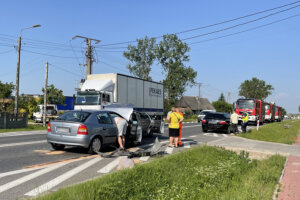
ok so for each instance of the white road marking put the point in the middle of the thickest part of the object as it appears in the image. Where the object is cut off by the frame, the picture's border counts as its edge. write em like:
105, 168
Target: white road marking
169, 150
54, 182
110, 166
193, 136
23, 143
144, 158
186, 145
26, 178
164, 142
11, 134
191, 126
224, 135
207, 134
16, 172
216, 135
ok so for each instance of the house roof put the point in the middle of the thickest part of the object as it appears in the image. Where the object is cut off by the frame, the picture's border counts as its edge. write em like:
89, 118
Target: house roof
195, 103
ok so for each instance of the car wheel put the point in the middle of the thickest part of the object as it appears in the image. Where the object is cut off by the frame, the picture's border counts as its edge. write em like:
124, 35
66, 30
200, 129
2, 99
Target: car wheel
149, 132
57, 146
95, 145
204, 130
228, 130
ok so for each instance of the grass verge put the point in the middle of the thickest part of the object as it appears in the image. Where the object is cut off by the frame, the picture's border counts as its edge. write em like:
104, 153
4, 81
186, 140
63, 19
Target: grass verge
30, 127
200, 173
281, 132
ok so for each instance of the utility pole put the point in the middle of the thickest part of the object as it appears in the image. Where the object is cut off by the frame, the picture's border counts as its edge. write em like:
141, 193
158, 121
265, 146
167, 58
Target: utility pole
199, 86
45, 95
18, 67
88, 54
228, 97
18, 75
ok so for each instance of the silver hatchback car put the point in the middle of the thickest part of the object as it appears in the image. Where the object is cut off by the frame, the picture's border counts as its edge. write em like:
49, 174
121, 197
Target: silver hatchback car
89, 129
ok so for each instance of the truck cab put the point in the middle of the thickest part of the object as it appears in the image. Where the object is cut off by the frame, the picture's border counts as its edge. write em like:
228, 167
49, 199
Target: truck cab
255, 108
92, 100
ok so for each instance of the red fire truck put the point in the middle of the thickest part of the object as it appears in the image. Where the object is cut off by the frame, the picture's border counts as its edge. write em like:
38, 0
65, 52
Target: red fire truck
255, 108
278, 113
270, 112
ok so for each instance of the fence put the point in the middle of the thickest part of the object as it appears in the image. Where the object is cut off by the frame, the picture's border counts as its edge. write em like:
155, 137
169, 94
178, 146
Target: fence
8, 120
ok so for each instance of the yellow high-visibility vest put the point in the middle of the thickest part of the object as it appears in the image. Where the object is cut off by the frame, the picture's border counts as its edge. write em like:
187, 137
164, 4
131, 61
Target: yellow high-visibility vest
245, 119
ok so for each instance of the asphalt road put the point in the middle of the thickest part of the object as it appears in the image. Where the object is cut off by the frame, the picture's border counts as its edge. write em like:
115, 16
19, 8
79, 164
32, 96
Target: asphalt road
29, 167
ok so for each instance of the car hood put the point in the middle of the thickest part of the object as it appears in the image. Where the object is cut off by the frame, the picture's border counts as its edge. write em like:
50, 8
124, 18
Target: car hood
124, 111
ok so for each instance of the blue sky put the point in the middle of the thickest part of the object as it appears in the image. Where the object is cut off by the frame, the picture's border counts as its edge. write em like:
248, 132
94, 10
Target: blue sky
270, 53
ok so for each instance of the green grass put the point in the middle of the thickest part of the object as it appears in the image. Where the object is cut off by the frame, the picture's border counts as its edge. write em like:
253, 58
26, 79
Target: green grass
30, 127
276, 132
200, 173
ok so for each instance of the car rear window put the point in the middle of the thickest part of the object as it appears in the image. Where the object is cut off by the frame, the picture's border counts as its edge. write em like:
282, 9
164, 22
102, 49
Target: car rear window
215, 116
74, 116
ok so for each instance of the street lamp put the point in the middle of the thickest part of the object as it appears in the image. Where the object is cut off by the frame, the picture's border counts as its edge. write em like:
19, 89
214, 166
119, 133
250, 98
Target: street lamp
18, 66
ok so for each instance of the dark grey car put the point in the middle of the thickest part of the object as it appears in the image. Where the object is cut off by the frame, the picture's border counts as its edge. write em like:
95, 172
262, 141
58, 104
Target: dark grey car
88, 129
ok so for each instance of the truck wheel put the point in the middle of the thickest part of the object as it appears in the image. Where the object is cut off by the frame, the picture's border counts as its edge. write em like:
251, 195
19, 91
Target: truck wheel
204, 130
149, 133
57, 146
95, 145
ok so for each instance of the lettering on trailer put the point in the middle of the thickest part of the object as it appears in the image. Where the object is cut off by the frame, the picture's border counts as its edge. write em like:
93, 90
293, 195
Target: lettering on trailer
155, 92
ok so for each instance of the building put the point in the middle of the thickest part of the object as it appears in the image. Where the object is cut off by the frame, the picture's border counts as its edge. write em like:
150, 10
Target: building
194, 104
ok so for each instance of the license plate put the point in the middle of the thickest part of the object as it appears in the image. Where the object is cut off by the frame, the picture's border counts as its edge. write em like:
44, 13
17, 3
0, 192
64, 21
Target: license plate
62, 130
212, 122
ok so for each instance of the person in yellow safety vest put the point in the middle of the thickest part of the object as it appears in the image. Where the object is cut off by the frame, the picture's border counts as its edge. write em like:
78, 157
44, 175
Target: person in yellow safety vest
174, 120
245, 118
180, 127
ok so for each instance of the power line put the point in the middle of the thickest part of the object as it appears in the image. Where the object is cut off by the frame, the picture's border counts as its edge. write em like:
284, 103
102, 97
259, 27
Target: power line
48, 54
61, 68
3, 52
247, 30
216, 24
241, 24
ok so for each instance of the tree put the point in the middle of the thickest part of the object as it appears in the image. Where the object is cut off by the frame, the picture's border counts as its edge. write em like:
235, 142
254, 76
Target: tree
141, 58
222, 106
28, 104
222, 98
255, 88
299, 109
6, 90
54, 96
171, 53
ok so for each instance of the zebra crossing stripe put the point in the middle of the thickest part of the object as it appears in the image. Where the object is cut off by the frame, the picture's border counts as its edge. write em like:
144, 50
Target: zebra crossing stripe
186, 145
169, 150
216, 135
144, 158
16, 172
224, 135
26, 178
193, 136
51, 184
110, 166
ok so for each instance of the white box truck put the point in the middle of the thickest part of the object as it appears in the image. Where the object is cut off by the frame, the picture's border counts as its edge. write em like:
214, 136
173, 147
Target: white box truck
100, 90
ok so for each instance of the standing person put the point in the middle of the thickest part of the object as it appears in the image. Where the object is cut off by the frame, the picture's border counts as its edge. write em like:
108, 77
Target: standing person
180, 126
245, 122
174, 120
122, 127
234, 120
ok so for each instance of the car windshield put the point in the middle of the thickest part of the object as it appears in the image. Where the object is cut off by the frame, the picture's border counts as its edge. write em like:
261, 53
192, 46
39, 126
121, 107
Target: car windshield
204, 112
245, 104
87, 99
216, 116
74, 116
267, 107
